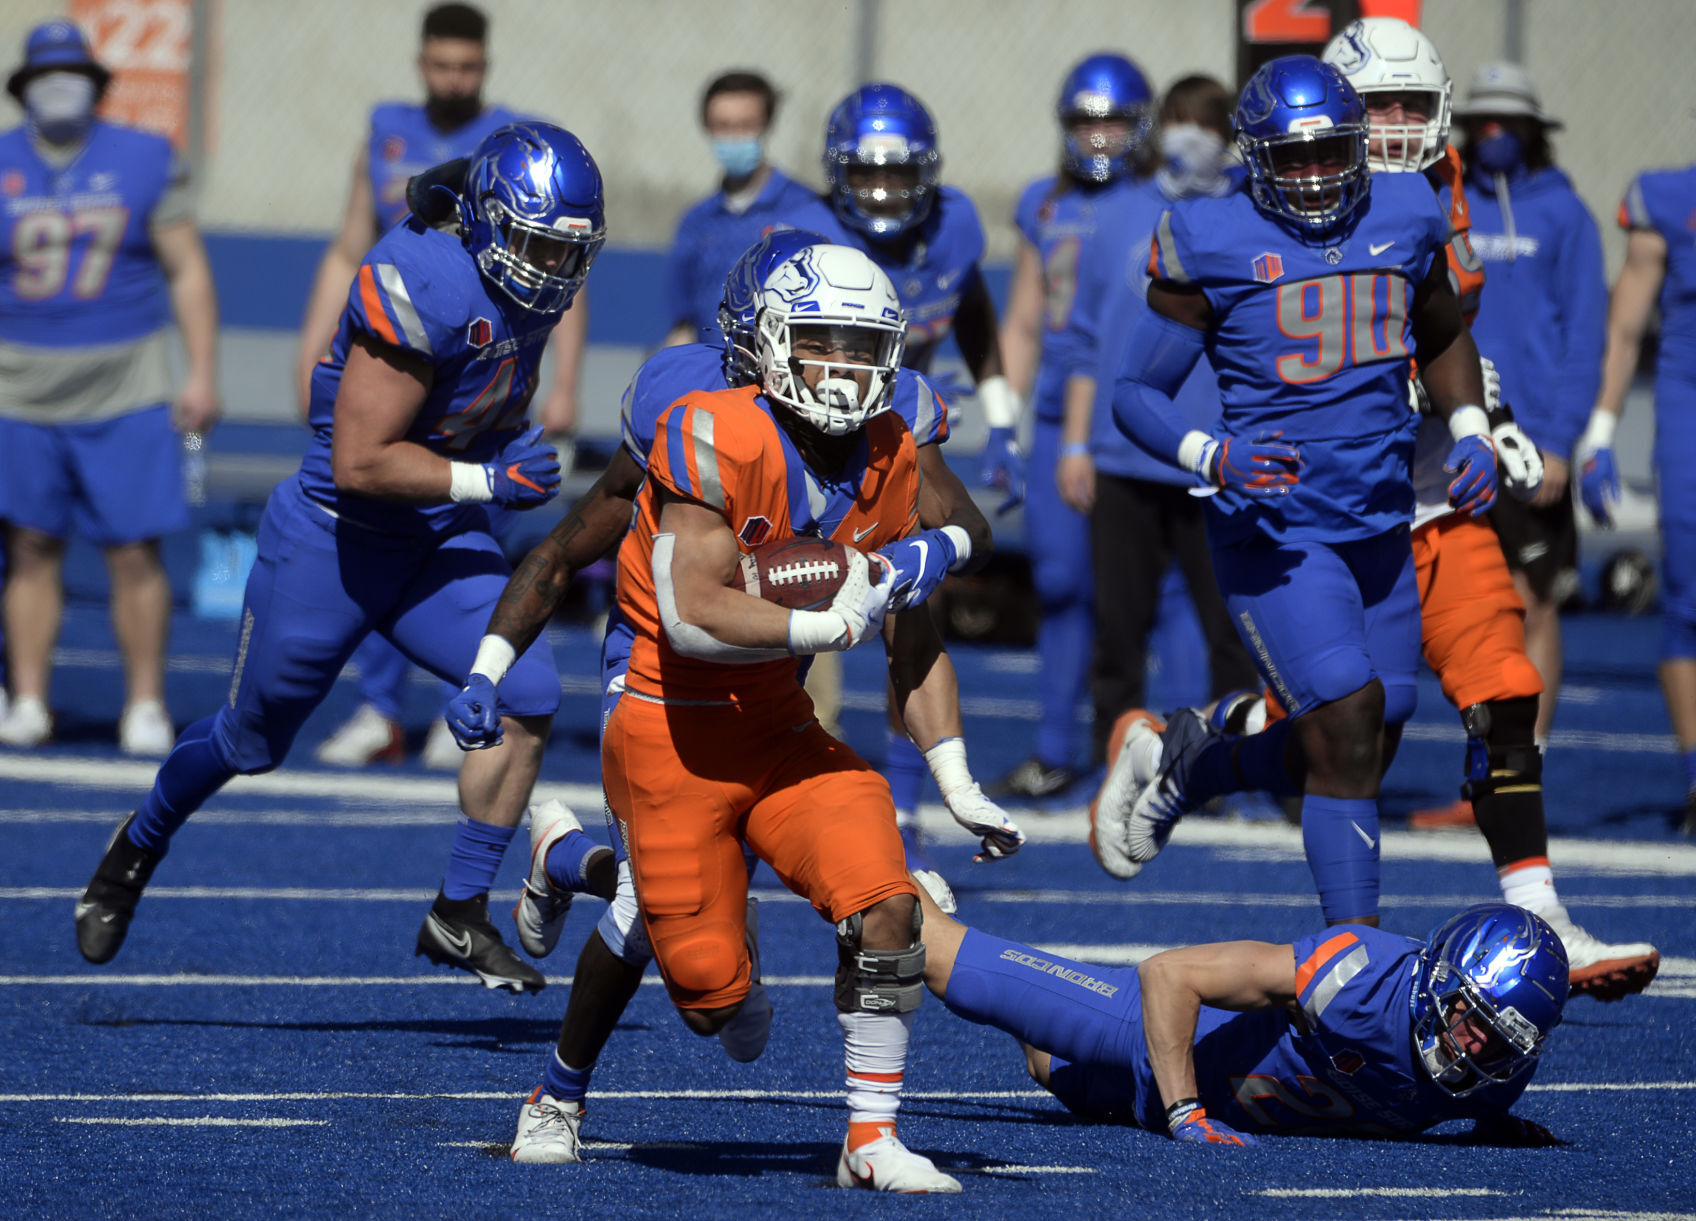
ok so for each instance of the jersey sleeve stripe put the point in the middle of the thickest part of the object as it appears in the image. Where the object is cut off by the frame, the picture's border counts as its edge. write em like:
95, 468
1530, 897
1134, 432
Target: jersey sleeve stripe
1166, 249
706, 458
417, 338
1633, 212
1331, 983
375, 315
676, 456
926, 414
1328, 950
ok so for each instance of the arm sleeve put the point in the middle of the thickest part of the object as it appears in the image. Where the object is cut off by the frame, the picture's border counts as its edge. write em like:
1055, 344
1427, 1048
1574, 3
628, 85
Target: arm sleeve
1159, 354
1583, 299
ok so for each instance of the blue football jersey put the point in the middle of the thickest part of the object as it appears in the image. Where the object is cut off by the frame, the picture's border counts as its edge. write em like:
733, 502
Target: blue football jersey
1664, 201
78, 266
404, 142
418, 291
930, 269
1060, 224
1312, 340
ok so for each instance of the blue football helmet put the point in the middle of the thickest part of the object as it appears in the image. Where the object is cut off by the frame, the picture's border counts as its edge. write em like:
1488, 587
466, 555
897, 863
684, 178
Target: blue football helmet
881, 127
1104, 87
741, 300
1302, 132
532, 215
1493, 978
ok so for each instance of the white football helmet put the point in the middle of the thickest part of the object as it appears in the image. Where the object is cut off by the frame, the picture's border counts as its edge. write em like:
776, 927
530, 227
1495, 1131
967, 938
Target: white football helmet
1387, 55
834, 288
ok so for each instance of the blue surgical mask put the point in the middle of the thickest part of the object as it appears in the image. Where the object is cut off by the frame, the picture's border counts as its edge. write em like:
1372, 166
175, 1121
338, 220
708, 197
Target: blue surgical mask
1501, 153
739, 157
60, 106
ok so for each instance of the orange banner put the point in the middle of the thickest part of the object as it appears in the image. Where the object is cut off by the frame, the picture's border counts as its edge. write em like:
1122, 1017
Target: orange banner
149, 47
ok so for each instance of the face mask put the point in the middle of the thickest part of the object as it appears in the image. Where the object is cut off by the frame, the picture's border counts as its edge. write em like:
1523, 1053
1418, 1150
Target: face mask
1502, 153
449, 114
60, 106
1195, 160
740, 157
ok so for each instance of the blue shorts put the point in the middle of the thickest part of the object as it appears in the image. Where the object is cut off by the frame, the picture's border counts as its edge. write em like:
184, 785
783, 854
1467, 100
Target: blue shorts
1322, 620
319, 585
108, 481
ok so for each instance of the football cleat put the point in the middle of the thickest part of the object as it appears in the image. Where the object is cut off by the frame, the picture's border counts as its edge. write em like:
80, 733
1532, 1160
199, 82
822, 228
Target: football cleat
366, 737
1598, 970
542, 907
145, 730
885, 1164
938, 889
27, 724
1032, 780
1133, 755
1162, 801
1456, 817
457, 933
744, 1036
107, 906
548, 1131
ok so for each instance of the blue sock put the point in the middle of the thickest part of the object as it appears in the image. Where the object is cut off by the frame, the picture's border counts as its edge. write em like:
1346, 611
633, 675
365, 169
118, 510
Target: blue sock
477, 851
566, 859
905, 769
194, 770
563, 1083
1227, 763
1340, 835
1690, 770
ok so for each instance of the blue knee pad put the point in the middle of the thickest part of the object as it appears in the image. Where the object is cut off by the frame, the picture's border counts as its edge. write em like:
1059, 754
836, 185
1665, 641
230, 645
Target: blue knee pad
1340, 836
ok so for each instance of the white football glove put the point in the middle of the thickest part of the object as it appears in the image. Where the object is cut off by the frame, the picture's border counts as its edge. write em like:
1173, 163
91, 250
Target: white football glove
1519, 466
1492, 384
854, 614
967, 803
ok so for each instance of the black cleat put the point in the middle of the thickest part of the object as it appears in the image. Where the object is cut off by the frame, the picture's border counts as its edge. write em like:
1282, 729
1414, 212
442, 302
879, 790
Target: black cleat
106, 907
1033, 779
457, 933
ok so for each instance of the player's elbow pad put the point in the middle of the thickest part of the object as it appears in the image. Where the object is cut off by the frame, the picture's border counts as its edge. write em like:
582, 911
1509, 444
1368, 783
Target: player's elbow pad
687, 638
1159, 355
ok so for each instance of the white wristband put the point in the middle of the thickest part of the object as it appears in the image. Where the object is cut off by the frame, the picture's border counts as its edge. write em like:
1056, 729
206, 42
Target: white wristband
1000, 403
947, 761
1600, 433
1193, 452
470, 482
495, 656
817, 632
1469, 421
962, 546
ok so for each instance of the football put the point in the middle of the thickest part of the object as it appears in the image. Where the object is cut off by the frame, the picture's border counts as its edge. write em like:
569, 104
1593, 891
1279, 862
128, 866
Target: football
795, 573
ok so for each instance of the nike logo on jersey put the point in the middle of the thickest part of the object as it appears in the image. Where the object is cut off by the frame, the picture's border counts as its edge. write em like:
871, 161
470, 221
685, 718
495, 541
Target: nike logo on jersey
860, 534
1370, 842
1378, 248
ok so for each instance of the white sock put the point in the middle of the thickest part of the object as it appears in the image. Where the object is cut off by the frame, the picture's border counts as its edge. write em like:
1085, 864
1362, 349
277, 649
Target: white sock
875, 1047
1530, 884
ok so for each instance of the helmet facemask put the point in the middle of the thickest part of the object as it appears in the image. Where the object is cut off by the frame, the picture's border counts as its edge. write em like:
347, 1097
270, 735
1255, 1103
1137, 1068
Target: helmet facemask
1409, 144
1312, 178
834, 375
1465, 1043
538, 266
1099, 140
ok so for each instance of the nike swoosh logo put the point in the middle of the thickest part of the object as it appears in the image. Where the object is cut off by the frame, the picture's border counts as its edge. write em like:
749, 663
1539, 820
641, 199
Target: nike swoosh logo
1370, 842
83, 909
868, 1179
1378, 249
860, 534
459, 943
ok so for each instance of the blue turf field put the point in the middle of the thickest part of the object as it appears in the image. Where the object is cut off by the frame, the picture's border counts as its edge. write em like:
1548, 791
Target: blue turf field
266, 1043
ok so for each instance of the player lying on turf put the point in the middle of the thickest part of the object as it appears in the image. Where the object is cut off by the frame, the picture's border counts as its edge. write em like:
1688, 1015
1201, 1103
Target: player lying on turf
1345, 1031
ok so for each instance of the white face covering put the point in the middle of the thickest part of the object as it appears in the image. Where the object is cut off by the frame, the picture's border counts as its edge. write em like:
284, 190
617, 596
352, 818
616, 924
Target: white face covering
1195, 161
60, 106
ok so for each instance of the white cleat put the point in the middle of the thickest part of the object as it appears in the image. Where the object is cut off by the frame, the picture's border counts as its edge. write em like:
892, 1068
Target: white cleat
548, 1131
542, 906
936, 886
441, 752
1599, 970
1134, 750
744, 1036
885, 1164
27, 724
366, 737
145, 730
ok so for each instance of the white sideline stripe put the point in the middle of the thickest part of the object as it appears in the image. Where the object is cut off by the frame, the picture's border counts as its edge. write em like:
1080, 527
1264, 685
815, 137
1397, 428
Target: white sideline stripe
201, 1121
1345, 1193
619, 1146
1025, 1170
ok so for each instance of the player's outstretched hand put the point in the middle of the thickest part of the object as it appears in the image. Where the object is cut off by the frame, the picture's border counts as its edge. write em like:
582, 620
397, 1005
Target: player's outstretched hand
1004, 468
471, 715
982, 817
1598, 483
524, 474
920, 562
1512, 1132
1472, 462
1264, 466
1192, 1125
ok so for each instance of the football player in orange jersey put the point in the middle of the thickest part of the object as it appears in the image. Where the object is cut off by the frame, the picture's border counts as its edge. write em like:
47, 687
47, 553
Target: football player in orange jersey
715, 743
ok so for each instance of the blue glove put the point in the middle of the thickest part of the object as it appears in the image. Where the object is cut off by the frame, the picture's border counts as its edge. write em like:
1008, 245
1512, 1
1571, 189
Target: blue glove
1264, 466
1188, 1122
1598, 484
920, 562
1473, 464
1004, 468
471, 715
524, 474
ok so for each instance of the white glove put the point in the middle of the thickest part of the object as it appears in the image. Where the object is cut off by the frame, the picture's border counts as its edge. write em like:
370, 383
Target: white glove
1518, 464
967, 803
854, 615
1492, 384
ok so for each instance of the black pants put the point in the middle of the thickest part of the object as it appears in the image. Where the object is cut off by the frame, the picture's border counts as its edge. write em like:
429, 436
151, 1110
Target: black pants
1137, 529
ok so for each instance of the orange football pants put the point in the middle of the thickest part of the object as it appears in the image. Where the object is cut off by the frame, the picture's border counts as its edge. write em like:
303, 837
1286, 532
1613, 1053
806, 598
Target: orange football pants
689, 783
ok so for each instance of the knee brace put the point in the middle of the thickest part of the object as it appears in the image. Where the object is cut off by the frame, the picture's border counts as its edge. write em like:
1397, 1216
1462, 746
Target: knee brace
878, 981
1501, 754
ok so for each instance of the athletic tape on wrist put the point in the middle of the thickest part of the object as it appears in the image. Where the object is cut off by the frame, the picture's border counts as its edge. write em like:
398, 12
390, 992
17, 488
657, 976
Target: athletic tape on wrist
1000, 403
469, 482
1599, 434
962, 546
947, 763
1469, 421
1183, 1110
495, 656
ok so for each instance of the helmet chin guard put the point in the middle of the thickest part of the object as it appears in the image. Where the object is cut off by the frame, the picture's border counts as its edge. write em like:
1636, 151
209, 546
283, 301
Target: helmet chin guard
1382, 55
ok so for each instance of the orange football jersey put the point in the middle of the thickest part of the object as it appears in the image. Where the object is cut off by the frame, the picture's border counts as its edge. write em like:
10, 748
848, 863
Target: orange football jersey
725, 450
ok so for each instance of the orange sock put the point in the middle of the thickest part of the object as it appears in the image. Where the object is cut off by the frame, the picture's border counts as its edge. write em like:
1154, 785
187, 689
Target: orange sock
865, 1133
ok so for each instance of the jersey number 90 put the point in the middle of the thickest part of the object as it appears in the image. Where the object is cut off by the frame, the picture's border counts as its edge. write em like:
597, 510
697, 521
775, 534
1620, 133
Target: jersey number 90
1356, 319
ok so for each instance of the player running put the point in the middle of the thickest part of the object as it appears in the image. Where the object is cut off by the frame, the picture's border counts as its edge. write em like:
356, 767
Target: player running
418, 422
1343, 1032
1309, 289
